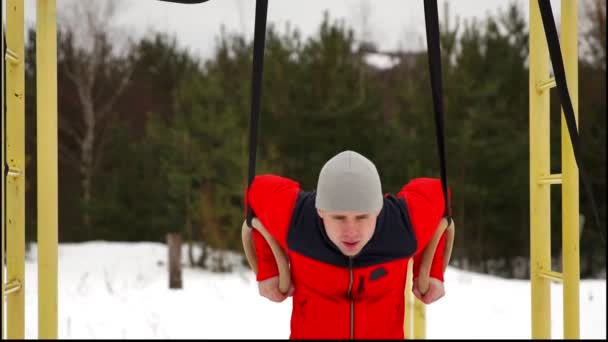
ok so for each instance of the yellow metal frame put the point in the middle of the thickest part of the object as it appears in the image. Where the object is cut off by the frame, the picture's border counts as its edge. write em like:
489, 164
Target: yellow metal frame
46, 97
3, 269
13, 223
541, 179
15, 178
13, 139
414, 325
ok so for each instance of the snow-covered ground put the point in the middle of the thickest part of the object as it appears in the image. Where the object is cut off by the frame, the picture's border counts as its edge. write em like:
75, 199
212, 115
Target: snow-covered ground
121, 291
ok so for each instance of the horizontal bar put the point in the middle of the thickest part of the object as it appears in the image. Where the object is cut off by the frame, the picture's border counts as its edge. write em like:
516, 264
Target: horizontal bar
11, 287
552, 275
542, 86
11, 56
13, 172
551, 179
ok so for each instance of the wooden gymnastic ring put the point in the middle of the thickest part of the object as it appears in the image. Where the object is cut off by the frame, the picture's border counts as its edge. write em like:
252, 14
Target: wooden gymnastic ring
429, 253
279, 254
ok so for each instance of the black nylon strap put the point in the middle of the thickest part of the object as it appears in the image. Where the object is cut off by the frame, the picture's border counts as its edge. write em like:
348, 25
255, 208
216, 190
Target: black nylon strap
431, 19
566, 102
261, 11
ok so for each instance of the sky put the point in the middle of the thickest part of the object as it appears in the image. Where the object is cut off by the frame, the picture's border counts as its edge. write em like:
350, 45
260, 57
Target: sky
392, 24
120, 291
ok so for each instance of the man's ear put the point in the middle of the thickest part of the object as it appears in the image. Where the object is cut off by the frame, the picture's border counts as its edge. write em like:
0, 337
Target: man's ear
320, 212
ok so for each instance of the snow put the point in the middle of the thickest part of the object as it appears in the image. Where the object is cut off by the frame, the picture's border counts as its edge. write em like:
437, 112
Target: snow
121, 291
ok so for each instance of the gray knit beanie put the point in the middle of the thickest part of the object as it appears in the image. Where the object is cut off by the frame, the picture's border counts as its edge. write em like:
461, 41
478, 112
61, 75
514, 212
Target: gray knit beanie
349, 182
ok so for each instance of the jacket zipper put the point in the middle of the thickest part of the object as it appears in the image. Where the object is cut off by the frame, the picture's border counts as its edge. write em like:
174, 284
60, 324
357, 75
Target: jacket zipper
352, 303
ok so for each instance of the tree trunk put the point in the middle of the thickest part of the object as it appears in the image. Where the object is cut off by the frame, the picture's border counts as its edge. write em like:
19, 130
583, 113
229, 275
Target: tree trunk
460, 240
188, 227
210, 221
202, 260
88, 66
190, 237
86, 160
174, 242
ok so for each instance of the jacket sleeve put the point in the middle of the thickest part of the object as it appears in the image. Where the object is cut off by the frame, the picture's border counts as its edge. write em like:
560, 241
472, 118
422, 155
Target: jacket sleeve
424, 198
272, 199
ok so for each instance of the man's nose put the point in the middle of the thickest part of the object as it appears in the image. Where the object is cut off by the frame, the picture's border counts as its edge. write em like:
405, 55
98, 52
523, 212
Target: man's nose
350, 227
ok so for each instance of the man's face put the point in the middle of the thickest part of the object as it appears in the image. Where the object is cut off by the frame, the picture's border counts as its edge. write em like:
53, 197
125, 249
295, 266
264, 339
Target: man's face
349, 230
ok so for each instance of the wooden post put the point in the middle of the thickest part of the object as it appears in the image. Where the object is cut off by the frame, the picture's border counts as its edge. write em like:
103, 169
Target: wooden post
174, 243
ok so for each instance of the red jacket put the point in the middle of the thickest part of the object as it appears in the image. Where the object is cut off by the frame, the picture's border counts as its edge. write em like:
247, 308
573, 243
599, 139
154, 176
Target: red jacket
336, 295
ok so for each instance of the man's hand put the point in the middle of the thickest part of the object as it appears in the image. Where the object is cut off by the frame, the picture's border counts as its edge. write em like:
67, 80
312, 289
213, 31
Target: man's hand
269, 288
435, 291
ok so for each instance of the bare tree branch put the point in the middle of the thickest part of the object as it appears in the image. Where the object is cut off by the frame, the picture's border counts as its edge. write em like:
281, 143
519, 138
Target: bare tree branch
68, 155
68, 128
594, 34
89, 64
72, 76
124, 81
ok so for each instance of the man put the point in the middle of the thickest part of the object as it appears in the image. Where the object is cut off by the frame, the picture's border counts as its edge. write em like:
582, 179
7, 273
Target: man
348, 247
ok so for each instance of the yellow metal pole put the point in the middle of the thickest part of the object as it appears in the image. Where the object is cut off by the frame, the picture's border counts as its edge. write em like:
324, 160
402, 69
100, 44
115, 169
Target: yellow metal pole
15, 159
408, 323
419, 320
570, 177
540, 200
46, 69
3, 314
414, 326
